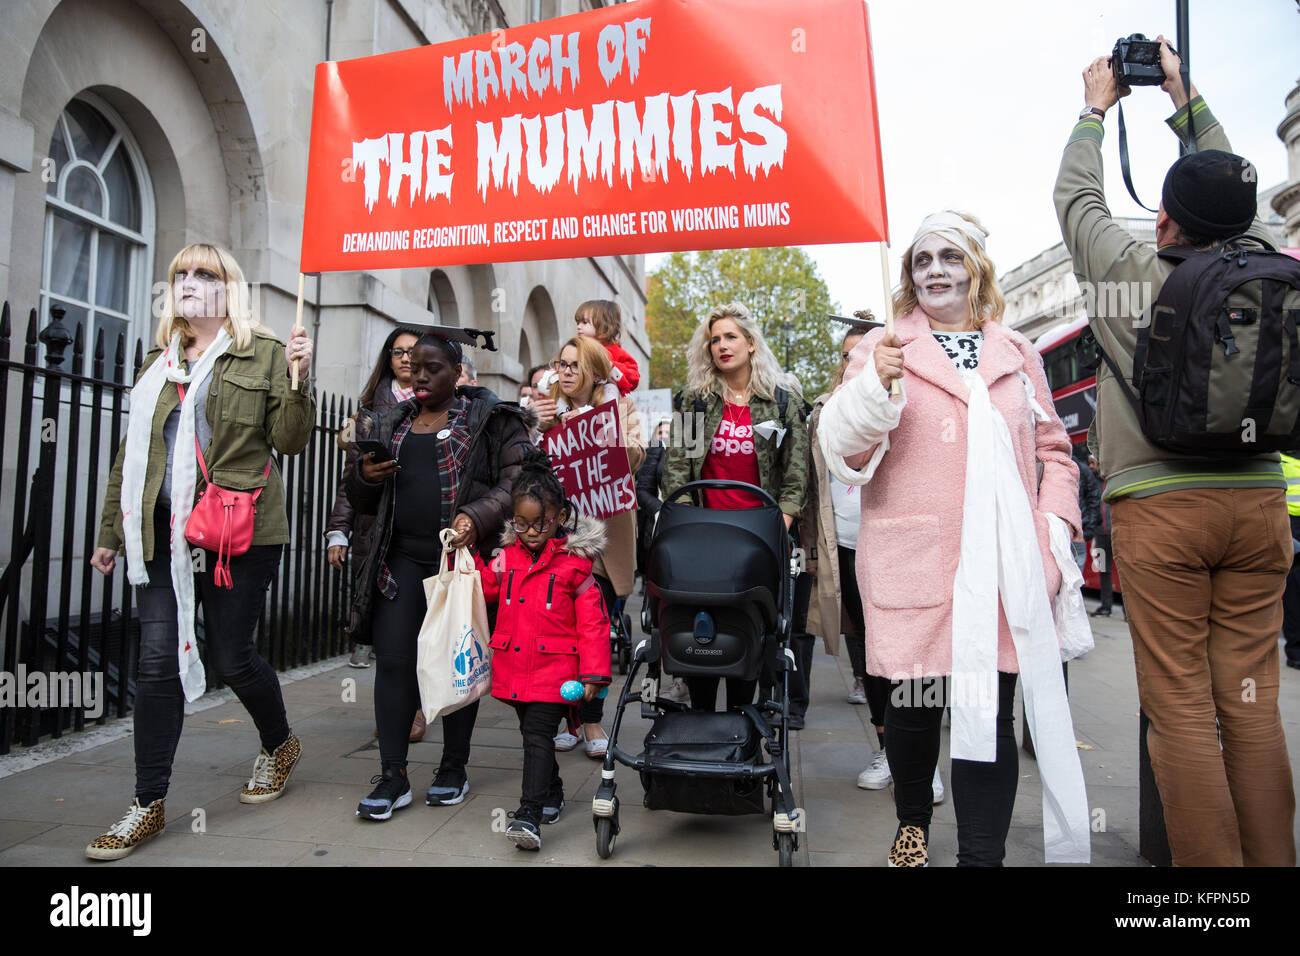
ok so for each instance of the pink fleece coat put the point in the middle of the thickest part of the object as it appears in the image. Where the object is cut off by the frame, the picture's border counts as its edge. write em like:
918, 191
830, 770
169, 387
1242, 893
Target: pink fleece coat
909, 541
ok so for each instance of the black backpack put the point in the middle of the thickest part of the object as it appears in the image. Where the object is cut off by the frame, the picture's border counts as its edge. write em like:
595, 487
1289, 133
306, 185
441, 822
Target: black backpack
1216, 370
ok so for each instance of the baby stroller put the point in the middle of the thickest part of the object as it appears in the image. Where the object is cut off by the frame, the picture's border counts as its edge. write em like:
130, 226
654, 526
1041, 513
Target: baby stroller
718, 604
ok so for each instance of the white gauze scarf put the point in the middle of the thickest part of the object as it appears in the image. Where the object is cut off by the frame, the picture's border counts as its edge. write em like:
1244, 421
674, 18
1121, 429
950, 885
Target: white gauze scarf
163, 373
1002, 524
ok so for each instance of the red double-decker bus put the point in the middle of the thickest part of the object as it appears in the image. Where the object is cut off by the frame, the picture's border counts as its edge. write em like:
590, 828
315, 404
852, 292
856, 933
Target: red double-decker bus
1070, 360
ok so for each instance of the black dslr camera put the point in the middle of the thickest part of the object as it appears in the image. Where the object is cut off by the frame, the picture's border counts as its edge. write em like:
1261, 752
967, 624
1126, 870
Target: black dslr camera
1136, 62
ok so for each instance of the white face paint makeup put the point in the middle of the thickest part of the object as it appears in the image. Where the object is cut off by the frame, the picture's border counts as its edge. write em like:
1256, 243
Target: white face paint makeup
199, 294
942, 280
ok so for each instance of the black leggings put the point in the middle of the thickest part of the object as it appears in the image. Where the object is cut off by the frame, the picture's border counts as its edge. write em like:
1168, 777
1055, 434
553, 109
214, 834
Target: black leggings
983, 793
397, 691
854, 627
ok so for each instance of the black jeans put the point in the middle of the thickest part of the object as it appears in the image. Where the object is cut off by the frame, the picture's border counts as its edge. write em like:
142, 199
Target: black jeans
230, 626
542, 783
801, 644
983, 793
852, 623
397, 691
1291, 604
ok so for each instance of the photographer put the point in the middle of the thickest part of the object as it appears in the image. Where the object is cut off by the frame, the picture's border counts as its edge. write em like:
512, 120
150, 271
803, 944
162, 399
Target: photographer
1203, 545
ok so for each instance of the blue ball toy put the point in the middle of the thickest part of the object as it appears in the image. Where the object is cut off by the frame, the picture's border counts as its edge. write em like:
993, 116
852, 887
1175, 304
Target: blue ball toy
571, 690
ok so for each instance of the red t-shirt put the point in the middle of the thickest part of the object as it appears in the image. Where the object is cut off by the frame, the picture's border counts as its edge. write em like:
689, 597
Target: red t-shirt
731, 456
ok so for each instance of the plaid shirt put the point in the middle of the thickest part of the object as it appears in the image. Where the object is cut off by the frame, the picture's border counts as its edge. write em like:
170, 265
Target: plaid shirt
452, 454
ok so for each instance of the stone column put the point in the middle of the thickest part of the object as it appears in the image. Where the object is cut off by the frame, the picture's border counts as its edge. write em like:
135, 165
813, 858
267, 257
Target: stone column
1287, 201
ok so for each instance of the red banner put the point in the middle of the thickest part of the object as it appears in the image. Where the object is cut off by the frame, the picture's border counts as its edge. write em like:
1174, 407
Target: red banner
643, 127
591, 461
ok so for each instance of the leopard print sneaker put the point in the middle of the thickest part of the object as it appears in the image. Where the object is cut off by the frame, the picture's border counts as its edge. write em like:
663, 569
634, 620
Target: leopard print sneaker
271, 772
909, 848
139, 824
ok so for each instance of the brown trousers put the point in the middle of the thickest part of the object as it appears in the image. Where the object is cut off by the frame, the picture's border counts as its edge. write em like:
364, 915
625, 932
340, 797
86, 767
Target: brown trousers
1202, 572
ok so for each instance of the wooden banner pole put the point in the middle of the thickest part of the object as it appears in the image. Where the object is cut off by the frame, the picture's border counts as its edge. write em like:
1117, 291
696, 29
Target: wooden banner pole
297, 323
889, 305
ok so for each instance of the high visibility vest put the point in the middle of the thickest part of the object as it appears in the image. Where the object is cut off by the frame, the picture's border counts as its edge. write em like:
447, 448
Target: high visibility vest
1291, 469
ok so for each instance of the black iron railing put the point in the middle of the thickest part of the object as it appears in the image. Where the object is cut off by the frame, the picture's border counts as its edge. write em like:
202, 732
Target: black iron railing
58, 617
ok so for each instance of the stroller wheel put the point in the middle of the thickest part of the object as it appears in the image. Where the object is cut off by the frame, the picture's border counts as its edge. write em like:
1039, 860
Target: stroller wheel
605, 837
785, 848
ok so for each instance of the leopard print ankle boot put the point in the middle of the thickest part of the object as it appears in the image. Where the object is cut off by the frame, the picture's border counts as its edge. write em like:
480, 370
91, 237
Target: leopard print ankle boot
271, 772
139, 824
910, 848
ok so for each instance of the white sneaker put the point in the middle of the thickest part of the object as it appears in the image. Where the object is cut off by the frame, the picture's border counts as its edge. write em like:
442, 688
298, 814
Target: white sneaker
859, 693
936, 785
566, 741
877, 775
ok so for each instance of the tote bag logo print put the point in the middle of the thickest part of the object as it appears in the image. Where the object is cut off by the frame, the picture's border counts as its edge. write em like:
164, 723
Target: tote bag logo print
453, 663
470, 663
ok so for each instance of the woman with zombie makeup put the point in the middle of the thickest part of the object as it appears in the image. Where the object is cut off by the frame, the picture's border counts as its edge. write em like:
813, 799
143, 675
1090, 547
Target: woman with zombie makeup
217, 385
751, 415
970, 479
455, 454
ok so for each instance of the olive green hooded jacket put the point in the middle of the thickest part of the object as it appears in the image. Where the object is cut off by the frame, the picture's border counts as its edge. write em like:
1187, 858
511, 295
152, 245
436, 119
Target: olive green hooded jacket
252, 410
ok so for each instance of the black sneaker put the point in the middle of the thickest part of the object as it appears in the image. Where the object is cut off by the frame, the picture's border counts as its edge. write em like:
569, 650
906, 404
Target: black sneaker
392, 793
553, 805
449, 787
523, 831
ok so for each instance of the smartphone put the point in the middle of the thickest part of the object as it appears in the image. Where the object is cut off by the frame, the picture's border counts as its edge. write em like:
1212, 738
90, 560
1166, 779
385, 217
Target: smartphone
376, 448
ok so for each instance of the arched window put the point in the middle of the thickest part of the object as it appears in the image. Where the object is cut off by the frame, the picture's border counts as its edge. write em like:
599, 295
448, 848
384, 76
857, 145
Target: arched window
99, 226
442, 300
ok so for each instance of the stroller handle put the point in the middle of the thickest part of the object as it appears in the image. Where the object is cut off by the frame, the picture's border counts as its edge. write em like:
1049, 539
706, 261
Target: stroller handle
722, 484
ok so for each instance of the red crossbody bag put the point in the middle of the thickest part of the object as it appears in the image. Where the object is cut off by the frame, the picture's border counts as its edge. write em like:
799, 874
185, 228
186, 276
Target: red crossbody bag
222, 520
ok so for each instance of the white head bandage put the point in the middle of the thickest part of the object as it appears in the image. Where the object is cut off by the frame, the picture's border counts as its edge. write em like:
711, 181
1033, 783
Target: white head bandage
954, 228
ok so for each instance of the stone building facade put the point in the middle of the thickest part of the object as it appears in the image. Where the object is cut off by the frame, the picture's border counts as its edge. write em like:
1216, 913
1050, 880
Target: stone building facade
129, 128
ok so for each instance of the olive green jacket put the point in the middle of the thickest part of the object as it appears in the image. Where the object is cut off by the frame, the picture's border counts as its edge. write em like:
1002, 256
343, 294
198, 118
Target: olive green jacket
782, 470
252, 409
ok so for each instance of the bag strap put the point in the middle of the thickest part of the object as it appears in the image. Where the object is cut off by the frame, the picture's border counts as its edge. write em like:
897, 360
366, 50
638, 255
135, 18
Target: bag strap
203, 465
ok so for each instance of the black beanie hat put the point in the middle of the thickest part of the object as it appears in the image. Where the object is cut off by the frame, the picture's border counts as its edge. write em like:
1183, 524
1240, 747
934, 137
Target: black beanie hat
1211, 193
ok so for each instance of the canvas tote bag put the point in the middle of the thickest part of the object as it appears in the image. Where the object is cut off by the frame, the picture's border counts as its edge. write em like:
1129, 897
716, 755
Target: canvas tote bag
453, 661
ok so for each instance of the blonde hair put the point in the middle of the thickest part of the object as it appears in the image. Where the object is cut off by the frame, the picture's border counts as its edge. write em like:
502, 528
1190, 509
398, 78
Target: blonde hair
985, 298
765, 375
593, 364
605, 317
239, 324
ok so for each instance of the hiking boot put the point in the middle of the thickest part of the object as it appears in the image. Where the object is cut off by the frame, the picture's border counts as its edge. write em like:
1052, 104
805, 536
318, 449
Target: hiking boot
392, 793
271, 772
448, 788
911, 847
139, 824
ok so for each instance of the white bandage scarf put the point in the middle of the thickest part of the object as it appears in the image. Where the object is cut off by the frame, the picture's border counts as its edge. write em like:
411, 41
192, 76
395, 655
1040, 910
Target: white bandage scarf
166, 372
1002, 524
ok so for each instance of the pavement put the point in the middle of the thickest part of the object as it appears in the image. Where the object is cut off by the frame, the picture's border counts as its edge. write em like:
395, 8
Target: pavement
56, 797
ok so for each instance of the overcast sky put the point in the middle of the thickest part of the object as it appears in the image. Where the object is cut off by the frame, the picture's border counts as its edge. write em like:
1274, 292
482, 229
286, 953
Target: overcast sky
977, 100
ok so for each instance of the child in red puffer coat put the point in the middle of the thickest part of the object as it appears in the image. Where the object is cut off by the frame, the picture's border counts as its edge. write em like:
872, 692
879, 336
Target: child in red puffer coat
600, 319
551, 627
